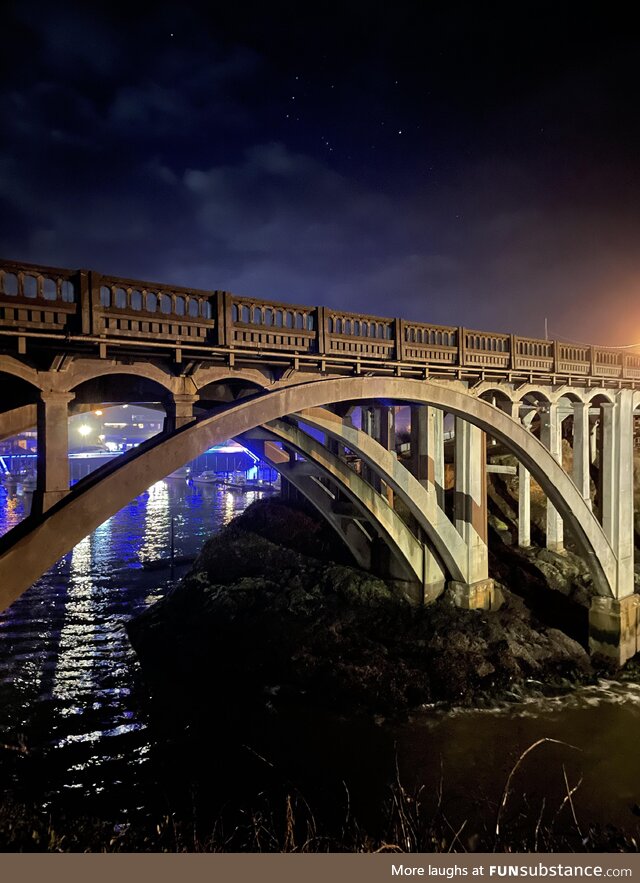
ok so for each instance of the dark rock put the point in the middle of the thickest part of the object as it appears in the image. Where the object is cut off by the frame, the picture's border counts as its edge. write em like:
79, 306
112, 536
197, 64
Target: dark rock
254, 618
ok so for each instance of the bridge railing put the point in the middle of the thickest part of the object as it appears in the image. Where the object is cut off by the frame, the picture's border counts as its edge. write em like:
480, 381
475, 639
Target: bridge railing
607, 363
429, 343
41, 298
130, 308
49, 299
260, 324
531, 354
572, 359
481, 349
631, 366
355, 334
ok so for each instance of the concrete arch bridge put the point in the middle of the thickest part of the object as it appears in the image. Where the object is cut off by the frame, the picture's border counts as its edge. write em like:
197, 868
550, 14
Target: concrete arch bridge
315, 392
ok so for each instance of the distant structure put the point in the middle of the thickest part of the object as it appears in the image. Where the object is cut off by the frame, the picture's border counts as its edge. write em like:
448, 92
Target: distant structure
308, 387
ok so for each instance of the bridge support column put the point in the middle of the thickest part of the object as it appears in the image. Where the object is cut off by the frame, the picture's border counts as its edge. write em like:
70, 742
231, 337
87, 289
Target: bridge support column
384, 432
470, 506
427, 448
524, 494
53, 450
581, 450
369, 426
551, 438
616, 470
614, 623
524, 507
427, 466
179, 411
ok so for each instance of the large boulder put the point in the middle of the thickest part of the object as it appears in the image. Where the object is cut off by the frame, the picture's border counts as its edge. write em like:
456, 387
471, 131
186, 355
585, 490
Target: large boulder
261, 620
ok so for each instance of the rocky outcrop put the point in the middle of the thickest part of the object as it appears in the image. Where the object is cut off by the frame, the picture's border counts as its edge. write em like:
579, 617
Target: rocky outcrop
271, 611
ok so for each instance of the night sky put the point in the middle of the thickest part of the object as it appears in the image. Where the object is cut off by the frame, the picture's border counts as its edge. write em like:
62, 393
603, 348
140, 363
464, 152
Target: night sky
468, 164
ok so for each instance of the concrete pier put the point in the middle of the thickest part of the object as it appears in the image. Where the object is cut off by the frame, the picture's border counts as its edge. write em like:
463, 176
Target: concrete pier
551, 438
53, 449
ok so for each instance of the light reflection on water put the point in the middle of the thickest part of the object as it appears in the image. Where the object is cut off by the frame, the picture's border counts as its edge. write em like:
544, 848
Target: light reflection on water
67, 672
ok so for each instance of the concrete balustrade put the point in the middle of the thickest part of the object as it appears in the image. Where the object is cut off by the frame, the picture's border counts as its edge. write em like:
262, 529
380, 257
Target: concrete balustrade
98, 309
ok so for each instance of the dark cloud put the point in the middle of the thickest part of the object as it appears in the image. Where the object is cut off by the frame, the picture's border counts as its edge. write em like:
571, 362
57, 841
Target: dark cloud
449, 165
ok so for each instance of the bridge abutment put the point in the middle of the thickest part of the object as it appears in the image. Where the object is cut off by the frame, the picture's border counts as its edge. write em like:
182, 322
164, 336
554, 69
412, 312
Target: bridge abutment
614, 628
477, 596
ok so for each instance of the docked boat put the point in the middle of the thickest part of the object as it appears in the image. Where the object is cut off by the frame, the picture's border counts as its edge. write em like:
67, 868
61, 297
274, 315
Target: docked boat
206, 478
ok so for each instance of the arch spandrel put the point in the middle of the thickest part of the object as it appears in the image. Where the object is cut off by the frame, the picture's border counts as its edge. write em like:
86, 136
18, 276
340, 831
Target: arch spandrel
9, 365
598, 393
82, 371
34, 546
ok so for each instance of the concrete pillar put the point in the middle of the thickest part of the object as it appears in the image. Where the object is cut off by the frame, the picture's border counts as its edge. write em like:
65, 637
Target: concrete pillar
606, 467
551, 438
524, 507
368, 425
614, 623
53, 450
524, 493
179, 411
436, 438
419, 462
366, 420
470, 508
616, 471
384, 431
427, 465
581, 450
427, 448
384, 426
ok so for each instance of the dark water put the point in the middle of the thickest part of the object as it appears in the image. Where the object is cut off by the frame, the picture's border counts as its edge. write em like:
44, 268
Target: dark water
71, 696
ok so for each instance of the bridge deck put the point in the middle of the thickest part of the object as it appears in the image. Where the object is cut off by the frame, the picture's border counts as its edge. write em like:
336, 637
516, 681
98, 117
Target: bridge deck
85, 311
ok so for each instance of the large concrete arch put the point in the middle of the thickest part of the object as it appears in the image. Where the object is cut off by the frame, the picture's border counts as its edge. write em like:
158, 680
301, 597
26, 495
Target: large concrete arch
37, 543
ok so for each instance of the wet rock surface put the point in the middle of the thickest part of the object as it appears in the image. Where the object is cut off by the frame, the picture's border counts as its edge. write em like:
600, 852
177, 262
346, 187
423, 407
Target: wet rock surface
271, 613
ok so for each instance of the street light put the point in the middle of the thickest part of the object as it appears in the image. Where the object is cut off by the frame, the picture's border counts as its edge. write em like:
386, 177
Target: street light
84, 429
